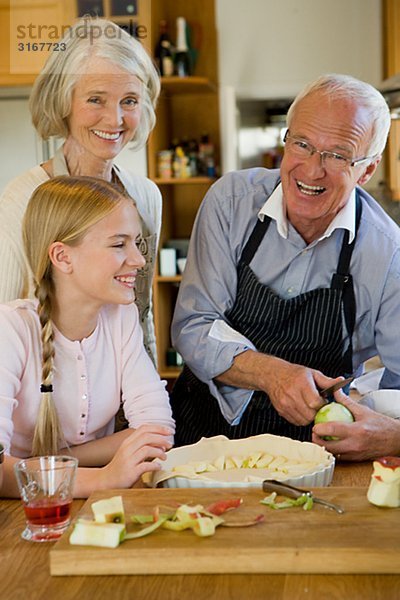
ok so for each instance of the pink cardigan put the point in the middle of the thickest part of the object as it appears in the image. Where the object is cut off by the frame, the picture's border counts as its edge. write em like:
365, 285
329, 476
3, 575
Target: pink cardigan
91, 377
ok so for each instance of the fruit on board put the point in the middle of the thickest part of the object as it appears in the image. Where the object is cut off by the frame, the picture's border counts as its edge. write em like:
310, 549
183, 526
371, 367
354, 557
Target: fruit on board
90, 533
384, 488
110, 510
333, 411
202, 521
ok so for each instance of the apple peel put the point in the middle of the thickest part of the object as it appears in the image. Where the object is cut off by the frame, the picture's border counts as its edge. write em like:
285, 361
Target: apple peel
202, 521
305, 501
258, 519
220, 507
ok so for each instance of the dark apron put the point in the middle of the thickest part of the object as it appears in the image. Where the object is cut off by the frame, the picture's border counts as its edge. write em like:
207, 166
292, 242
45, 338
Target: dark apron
306, 330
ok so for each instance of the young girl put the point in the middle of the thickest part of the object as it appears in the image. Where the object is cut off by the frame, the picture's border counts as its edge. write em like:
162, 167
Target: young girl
70, 357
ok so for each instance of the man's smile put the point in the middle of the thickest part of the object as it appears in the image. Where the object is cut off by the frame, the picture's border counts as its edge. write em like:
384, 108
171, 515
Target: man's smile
309, 190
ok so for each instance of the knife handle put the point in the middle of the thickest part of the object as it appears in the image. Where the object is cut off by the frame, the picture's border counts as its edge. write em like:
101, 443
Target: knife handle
284, 489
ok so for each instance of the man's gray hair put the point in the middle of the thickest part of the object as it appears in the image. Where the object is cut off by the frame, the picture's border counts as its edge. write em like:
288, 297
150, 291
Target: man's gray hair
347, 87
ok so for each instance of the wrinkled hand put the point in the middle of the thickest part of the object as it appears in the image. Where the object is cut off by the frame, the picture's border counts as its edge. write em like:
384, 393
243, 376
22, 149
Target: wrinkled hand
293, 391
372, 435
133, 457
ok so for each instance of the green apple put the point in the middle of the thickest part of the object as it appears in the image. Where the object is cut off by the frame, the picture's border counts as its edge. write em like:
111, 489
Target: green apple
333, 412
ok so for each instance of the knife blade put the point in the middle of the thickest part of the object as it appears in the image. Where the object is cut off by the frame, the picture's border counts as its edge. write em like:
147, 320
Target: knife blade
284, 489
334, 388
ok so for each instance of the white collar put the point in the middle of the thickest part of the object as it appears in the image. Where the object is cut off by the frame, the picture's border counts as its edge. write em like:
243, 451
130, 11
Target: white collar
274, 208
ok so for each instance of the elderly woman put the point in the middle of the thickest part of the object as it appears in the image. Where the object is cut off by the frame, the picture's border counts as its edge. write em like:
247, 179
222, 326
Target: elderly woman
98, 94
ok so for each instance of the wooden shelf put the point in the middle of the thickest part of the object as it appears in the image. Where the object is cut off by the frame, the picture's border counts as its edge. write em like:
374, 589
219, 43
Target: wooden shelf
187, 85
170, 279
184, 181
169, 372
188, 109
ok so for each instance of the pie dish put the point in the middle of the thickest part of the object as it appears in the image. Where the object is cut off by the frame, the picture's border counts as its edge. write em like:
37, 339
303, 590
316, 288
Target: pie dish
305, 464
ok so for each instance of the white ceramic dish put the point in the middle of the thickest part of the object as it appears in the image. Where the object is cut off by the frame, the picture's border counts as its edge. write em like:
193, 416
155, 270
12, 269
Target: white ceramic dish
317, 471
386, 402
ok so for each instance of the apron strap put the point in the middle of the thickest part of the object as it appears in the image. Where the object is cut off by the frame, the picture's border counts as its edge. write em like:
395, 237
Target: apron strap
347, 249
256, 235
343, 281
254, 240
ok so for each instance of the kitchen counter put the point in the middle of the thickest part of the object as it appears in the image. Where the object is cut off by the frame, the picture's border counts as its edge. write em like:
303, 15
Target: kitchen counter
25, 571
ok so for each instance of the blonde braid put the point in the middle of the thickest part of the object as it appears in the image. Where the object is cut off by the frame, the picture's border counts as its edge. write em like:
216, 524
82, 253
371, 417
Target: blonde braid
48, 432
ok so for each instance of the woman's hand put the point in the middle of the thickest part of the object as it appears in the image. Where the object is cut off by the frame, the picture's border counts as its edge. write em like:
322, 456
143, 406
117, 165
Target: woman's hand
133, 457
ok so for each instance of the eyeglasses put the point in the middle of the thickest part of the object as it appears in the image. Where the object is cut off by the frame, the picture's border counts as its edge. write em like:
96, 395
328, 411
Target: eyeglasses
331, 160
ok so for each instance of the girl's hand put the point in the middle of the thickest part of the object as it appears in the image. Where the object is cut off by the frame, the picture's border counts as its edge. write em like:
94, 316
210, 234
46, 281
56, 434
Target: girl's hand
133, 457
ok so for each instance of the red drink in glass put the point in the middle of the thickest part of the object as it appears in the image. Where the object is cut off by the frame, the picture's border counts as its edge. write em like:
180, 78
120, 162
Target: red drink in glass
48, 511
46, 488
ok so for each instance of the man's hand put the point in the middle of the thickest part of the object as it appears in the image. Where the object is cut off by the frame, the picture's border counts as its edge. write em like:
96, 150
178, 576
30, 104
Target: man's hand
292, 389
372, 435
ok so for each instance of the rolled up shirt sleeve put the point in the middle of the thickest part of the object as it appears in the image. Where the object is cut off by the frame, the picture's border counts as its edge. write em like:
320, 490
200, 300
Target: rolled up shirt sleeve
200, 331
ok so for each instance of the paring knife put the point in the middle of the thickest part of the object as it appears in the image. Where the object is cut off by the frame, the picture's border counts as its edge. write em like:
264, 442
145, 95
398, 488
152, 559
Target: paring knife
284, 489
334, 388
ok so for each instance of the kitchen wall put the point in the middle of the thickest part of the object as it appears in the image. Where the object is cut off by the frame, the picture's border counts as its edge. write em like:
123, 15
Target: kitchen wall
19, 145
271, 48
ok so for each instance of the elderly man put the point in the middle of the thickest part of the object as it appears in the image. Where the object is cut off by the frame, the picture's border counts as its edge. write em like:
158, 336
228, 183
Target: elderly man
293, 280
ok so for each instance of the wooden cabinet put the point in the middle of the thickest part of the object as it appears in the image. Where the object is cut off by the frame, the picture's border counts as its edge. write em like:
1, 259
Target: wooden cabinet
29, 30
188, 107
391, 53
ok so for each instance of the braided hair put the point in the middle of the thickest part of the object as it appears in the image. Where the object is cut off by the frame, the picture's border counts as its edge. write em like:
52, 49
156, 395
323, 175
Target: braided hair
61, 209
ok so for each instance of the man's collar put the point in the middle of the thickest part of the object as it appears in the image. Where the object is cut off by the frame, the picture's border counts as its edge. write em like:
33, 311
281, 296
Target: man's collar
274, 208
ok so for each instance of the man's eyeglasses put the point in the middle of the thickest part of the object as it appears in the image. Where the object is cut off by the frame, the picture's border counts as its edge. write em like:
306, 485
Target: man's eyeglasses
331, 160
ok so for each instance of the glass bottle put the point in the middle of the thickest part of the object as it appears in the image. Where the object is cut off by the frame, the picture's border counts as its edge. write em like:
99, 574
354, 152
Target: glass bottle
163, 52
182, 57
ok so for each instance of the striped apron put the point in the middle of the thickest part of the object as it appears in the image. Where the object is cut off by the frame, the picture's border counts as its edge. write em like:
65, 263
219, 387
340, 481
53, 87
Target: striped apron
306, 330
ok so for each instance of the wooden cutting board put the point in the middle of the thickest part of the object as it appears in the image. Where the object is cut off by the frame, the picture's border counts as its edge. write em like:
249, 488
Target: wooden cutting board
366, 539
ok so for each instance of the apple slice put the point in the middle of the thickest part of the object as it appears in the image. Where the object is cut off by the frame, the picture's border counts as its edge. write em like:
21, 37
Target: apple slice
110, 510
219, 463
264, 461
90, 533
237, 461
229, 464
384, 489
250, 461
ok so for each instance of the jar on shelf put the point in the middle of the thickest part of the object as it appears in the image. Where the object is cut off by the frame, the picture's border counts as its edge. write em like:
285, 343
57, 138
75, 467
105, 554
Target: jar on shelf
164, 164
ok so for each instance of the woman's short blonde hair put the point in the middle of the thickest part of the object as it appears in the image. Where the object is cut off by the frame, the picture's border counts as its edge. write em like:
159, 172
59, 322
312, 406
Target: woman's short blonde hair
51, 97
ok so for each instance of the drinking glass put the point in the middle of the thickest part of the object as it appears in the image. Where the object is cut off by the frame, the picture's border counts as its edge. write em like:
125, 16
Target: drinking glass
46, 487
